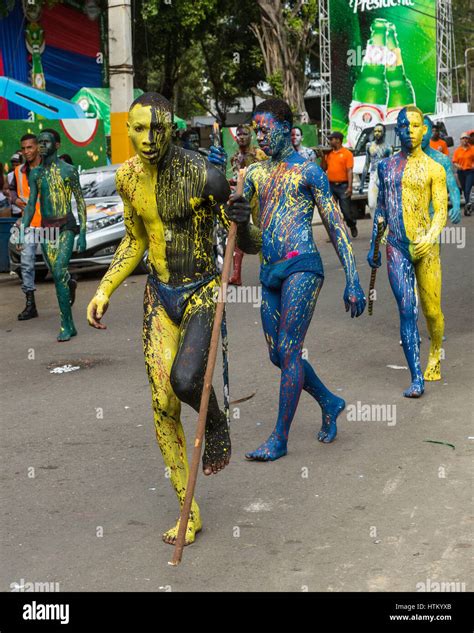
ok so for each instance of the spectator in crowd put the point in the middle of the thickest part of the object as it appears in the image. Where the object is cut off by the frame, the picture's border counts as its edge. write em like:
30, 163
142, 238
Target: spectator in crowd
463, 160
296, 141
5, 207
66, 158
338, 165
190, 140
437, 142
15, 160
20, 192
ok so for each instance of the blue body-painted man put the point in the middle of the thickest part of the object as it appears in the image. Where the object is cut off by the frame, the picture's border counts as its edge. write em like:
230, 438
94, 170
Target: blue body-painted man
408, 182
444, 161
287, 187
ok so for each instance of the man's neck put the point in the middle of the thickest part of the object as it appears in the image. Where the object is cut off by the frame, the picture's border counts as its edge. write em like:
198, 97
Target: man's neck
35, 162
50, 160
413, 152
285, 153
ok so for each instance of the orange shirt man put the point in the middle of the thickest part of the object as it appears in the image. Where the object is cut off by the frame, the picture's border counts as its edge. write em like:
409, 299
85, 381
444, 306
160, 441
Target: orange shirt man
437, 142
463, 157
338, 165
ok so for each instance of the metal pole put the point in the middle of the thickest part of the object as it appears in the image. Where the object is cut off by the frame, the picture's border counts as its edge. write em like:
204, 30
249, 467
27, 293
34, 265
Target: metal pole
121, 76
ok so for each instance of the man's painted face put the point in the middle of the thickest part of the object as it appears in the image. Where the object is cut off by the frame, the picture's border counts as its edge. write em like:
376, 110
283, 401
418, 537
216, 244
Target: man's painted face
47, 144
429, 131
243, 137
296, 137
410, 129
379, 132
150, 130
271, 134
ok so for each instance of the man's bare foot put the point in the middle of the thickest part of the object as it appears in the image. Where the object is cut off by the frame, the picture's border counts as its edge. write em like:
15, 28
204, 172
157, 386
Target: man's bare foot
194, 526
433, 369
217, 447
416, 389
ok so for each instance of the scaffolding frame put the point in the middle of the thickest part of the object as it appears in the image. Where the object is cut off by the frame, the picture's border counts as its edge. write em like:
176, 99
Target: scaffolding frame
325, 70
445, 49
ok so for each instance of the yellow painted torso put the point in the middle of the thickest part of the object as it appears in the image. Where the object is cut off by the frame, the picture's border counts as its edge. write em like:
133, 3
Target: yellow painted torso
418, 175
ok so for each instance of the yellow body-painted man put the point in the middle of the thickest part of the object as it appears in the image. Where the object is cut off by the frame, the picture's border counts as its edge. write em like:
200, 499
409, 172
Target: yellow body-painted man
408, 182
171, 196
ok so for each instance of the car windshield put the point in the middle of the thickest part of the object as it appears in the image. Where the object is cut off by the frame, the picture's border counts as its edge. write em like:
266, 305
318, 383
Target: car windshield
368, 135
98, 184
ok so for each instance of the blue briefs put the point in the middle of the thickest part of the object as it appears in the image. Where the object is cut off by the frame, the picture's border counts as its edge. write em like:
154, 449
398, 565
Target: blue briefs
175, 298
273, 275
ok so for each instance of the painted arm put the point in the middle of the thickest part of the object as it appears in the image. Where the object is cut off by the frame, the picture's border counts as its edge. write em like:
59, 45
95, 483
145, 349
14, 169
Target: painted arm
354, 298
81, 209
249, 236
454, 194
439, 197
29, 210
217, 191
126, 258
380, 215
363, 176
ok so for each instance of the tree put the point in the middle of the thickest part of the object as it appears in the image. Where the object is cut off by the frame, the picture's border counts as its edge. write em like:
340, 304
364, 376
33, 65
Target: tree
164, 32
287, 34
233, 62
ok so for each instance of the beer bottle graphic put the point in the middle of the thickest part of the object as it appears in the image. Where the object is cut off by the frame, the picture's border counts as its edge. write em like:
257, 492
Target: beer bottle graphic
370, 93
400, 89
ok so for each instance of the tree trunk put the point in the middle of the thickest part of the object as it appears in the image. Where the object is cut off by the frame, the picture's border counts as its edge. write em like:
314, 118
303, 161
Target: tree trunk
284, 60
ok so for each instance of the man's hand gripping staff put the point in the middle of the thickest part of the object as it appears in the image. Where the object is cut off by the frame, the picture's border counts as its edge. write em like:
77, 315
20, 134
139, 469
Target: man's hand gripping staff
375, 257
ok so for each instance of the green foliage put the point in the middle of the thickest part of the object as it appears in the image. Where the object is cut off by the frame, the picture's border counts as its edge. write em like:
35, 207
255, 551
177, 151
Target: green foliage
195, 50
276, 83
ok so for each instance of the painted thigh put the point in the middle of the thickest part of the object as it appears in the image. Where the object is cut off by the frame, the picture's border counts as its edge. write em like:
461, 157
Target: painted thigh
298, 299
401, 275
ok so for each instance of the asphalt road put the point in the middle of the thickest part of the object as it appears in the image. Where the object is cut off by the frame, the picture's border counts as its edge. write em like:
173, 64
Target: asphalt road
85, 494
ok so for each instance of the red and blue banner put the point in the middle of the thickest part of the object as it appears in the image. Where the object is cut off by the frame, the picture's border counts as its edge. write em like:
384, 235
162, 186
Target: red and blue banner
70, 59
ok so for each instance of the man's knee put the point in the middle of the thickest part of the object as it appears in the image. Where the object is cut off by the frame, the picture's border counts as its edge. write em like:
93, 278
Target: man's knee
186, 383
60, 274
287, 356
433, 313
408, 310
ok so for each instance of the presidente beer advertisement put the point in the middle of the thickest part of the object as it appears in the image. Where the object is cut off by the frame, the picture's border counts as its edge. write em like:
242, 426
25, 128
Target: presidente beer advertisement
383, 58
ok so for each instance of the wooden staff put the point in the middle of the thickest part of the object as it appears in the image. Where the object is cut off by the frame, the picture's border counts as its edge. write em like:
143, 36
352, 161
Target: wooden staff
206, 392
373, 274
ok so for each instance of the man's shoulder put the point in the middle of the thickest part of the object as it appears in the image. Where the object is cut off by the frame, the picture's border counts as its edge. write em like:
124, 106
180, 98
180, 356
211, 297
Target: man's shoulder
131, 166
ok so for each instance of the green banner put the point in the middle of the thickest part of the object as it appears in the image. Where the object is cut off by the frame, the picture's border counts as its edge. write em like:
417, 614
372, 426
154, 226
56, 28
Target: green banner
83, 140
383, 56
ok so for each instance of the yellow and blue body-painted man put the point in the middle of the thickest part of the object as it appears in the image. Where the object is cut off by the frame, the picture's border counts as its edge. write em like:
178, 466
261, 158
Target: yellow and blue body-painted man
408, 182
171, 197
287, 187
